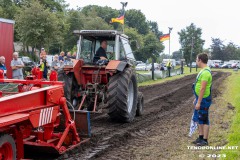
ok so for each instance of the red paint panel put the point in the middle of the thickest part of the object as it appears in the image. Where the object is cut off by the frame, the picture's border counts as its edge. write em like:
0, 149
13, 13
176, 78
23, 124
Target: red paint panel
112, 65
13, 119
6, 44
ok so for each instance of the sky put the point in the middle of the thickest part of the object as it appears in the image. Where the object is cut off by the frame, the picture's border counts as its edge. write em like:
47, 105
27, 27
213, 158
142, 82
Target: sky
216, 18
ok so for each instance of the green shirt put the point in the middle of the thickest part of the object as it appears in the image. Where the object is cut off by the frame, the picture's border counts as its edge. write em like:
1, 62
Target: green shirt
204, 75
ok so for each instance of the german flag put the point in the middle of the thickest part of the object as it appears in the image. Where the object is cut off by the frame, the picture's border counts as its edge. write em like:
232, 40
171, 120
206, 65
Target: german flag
165, 37
119, 19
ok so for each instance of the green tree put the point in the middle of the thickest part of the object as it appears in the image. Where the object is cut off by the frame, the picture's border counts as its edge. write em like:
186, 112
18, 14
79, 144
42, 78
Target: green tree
177, 55
189, 36
37, 26
217, 49
93, 22
230, 51
152, 46
136, 42
153, 26
8, 9
136, 19
106, 13
75, 21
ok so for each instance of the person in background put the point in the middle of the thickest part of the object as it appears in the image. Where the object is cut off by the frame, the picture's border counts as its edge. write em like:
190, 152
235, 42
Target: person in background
69, 55
74, 55
43, 53
3, 66
55, 64
61, 57
17, 66
44, 66
169, 66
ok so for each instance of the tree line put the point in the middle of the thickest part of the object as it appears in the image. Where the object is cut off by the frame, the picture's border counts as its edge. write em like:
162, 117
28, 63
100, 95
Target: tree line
50, 24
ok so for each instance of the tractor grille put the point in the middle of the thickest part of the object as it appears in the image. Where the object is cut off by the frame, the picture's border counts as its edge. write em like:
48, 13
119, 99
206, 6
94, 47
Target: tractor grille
96, 78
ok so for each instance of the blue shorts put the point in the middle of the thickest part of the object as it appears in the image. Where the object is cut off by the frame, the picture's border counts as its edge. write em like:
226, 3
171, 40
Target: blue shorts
202, 116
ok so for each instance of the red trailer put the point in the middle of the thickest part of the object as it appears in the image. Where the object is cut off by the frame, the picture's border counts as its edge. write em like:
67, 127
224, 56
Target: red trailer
6, 42
31, 113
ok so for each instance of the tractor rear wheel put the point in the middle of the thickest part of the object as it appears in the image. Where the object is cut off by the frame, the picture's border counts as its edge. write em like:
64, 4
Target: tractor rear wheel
140, 104
122, 96
7, 147
70, 88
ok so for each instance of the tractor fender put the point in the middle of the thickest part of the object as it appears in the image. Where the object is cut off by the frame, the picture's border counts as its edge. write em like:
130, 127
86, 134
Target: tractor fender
116, 65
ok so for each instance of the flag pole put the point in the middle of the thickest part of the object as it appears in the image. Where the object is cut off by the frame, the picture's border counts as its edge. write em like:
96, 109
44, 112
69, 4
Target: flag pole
170, 29
124, 4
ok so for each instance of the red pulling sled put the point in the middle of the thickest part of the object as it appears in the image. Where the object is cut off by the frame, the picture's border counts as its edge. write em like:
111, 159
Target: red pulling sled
35, 113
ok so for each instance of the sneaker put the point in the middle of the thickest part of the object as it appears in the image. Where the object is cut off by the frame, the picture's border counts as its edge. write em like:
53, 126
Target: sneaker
202, 143
196, 141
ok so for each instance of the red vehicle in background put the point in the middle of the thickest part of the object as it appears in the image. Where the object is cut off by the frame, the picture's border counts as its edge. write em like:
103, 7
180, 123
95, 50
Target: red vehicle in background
6, 42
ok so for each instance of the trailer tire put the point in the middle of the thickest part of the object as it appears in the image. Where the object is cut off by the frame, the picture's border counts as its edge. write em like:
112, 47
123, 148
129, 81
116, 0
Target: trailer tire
7, 147
140, 104
122, 96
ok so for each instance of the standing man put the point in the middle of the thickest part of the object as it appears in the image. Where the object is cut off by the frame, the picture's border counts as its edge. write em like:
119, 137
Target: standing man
3, 66
17, 66
169, 66
203, 100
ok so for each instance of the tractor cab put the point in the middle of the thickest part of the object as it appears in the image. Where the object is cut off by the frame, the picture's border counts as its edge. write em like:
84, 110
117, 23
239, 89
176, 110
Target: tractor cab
118, 47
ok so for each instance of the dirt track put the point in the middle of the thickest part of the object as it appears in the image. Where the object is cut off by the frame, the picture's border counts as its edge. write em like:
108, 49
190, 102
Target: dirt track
155, 135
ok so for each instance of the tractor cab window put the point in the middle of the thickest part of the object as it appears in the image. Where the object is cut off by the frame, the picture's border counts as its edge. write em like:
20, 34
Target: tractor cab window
127, 49
122, 54
86, 50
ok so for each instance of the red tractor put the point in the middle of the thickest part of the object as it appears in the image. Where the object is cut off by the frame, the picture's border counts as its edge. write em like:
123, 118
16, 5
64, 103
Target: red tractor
111, 84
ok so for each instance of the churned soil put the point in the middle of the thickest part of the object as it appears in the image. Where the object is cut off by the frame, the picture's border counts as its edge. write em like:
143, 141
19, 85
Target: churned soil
158, 134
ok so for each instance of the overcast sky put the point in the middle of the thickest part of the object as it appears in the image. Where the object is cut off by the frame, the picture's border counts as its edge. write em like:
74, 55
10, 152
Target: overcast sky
217, 18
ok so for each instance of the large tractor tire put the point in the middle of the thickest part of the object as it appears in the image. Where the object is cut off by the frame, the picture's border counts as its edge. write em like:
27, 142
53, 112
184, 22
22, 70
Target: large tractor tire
70, 88
140, 104
122, 96
7, 147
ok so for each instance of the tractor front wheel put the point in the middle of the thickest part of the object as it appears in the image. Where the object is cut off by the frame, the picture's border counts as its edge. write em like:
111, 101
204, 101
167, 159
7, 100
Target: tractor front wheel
7, 147
122, 96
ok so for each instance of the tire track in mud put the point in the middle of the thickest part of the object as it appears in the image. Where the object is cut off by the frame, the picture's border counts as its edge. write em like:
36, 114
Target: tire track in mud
167, 130
161, 102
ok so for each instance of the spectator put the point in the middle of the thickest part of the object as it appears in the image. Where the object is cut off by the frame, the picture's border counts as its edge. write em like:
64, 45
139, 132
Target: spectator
169, 66
17, 66
162, 67
43, 53
61, 57
74, 55
2, 66
69, 55
44, 66
55, 64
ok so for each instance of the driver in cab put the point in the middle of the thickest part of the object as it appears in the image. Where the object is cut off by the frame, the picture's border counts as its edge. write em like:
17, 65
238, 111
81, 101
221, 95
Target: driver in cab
101, 52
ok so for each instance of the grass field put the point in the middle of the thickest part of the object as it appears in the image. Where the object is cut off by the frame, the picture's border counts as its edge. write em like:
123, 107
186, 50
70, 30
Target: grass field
231, 96
151, 82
